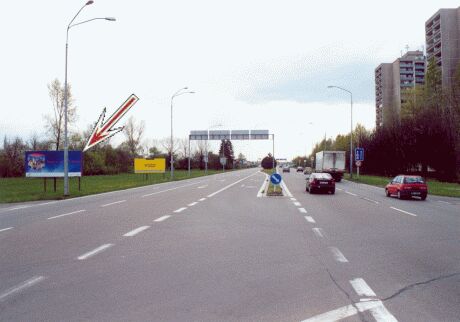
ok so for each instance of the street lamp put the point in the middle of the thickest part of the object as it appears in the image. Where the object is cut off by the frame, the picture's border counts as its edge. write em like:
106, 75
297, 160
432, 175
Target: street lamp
351, 130
178, 93
66, 139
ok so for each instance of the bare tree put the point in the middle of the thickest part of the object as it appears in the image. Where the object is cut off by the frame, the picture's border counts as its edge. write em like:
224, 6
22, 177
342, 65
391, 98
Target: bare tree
134, 132
55, 122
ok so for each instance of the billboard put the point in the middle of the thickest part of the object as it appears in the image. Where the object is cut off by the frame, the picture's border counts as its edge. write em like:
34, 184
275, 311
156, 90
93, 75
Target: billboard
50, 164
149, 165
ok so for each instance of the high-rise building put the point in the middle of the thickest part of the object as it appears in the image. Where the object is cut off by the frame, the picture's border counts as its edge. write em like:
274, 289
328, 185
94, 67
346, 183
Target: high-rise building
442, 33
391, 80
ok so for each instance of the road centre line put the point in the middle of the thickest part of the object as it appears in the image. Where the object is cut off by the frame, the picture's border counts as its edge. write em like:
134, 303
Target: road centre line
136, 231
340, 189
202, 187
46, 203
180, 209
318, 232
68, 214
262, 188
296, 203
403, 211
310, 219
5, 229
94, 251
26, 284
444, 202
375, 307
113, 203
338, 256
155, 193
361, 288
17, 208
302, 210
192, 204
230, 185
293, 199
202, 199
370, 200
285, 188
162, 218
351, 193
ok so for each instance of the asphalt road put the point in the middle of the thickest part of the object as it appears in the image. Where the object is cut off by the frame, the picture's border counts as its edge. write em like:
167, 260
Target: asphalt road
210, 249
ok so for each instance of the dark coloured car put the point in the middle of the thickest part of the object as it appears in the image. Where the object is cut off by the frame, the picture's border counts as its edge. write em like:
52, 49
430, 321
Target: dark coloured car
406, 186
299, 169
286, 169
317, 182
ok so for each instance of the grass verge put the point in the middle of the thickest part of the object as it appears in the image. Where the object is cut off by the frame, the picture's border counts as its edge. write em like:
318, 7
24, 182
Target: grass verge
30, 189
435, 187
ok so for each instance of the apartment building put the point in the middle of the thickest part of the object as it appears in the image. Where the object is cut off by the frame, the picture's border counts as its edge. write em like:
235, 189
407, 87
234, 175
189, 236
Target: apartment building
391, 81
442, 33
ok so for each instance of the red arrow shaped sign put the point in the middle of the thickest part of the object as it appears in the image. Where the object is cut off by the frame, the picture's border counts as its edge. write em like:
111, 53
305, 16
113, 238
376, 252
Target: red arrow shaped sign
103, 131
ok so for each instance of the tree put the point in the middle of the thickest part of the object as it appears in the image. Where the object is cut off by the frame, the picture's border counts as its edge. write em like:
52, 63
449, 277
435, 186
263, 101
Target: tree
226, 150
56, 121
12, 158
267, 162
133, 132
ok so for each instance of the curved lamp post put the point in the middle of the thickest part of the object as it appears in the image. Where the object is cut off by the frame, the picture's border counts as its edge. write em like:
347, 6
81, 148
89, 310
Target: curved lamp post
351, 130
178, 93
66, 139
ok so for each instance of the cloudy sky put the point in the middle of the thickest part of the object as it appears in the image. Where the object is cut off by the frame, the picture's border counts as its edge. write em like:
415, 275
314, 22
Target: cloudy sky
253, 64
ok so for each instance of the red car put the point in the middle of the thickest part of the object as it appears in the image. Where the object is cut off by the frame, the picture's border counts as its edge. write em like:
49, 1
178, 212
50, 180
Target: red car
405, 186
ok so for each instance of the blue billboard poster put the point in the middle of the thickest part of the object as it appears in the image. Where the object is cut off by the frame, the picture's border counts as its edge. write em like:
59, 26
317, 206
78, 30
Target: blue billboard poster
50, 164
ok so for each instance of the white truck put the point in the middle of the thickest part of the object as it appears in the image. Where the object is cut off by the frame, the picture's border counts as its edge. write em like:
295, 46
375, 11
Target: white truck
332, 162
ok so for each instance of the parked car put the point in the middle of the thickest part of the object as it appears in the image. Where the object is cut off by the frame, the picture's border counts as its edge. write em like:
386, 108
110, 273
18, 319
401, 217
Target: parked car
286, 168
405, 186
299, 169
320, 182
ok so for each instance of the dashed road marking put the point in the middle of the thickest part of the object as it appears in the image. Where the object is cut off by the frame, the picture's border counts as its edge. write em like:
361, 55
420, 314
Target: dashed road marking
361, 288
230, 185
113, 203
370, 200
302, 210
297, 204
444, 202
17, 208
351, 193
94, 251
180, 209
310, 219
293, 199
192, 204
136, 231
202, 187
26, 284
318, 232
202, 199
338, 256
403, 211
5, 229
67, 214
155, 193
162, 218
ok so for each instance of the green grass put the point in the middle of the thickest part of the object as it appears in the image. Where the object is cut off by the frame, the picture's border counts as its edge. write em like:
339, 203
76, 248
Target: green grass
30, 189
434, 187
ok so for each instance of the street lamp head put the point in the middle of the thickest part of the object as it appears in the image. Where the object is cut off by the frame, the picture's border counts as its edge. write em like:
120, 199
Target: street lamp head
330, 86
110, 19
89, 2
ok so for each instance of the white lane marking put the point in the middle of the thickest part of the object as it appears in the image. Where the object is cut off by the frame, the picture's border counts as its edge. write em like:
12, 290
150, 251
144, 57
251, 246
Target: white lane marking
293, 199
376, 308
403, 211
361, 288
26, 284
202, 199
17, 208
68, 214
202, 187
155, 193
338, 256
444, 202
318, 232
296, 203
302, 210
192, 204
113, 203
262, 188
351, 193
162, 218
94, 251
136, 231
310, 219
285, 189
180, 209
46, 203
376, 202
230, 185
5, 229
340, 189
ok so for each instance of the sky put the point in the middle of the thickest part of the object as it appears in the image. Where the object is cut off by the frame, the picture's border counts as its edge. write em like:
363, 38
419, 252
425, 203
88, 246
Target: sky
252, 64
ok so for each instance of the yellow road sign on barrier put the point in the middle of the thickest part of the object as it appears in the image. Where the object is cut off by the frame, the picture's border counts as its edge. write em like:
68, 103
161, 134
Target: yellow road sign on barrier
149, 165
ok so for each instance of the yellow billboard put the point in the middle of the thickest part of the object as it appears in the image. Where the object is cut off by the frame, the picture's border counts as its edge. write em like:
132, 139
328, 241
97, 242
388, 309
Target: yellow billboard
149, 165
